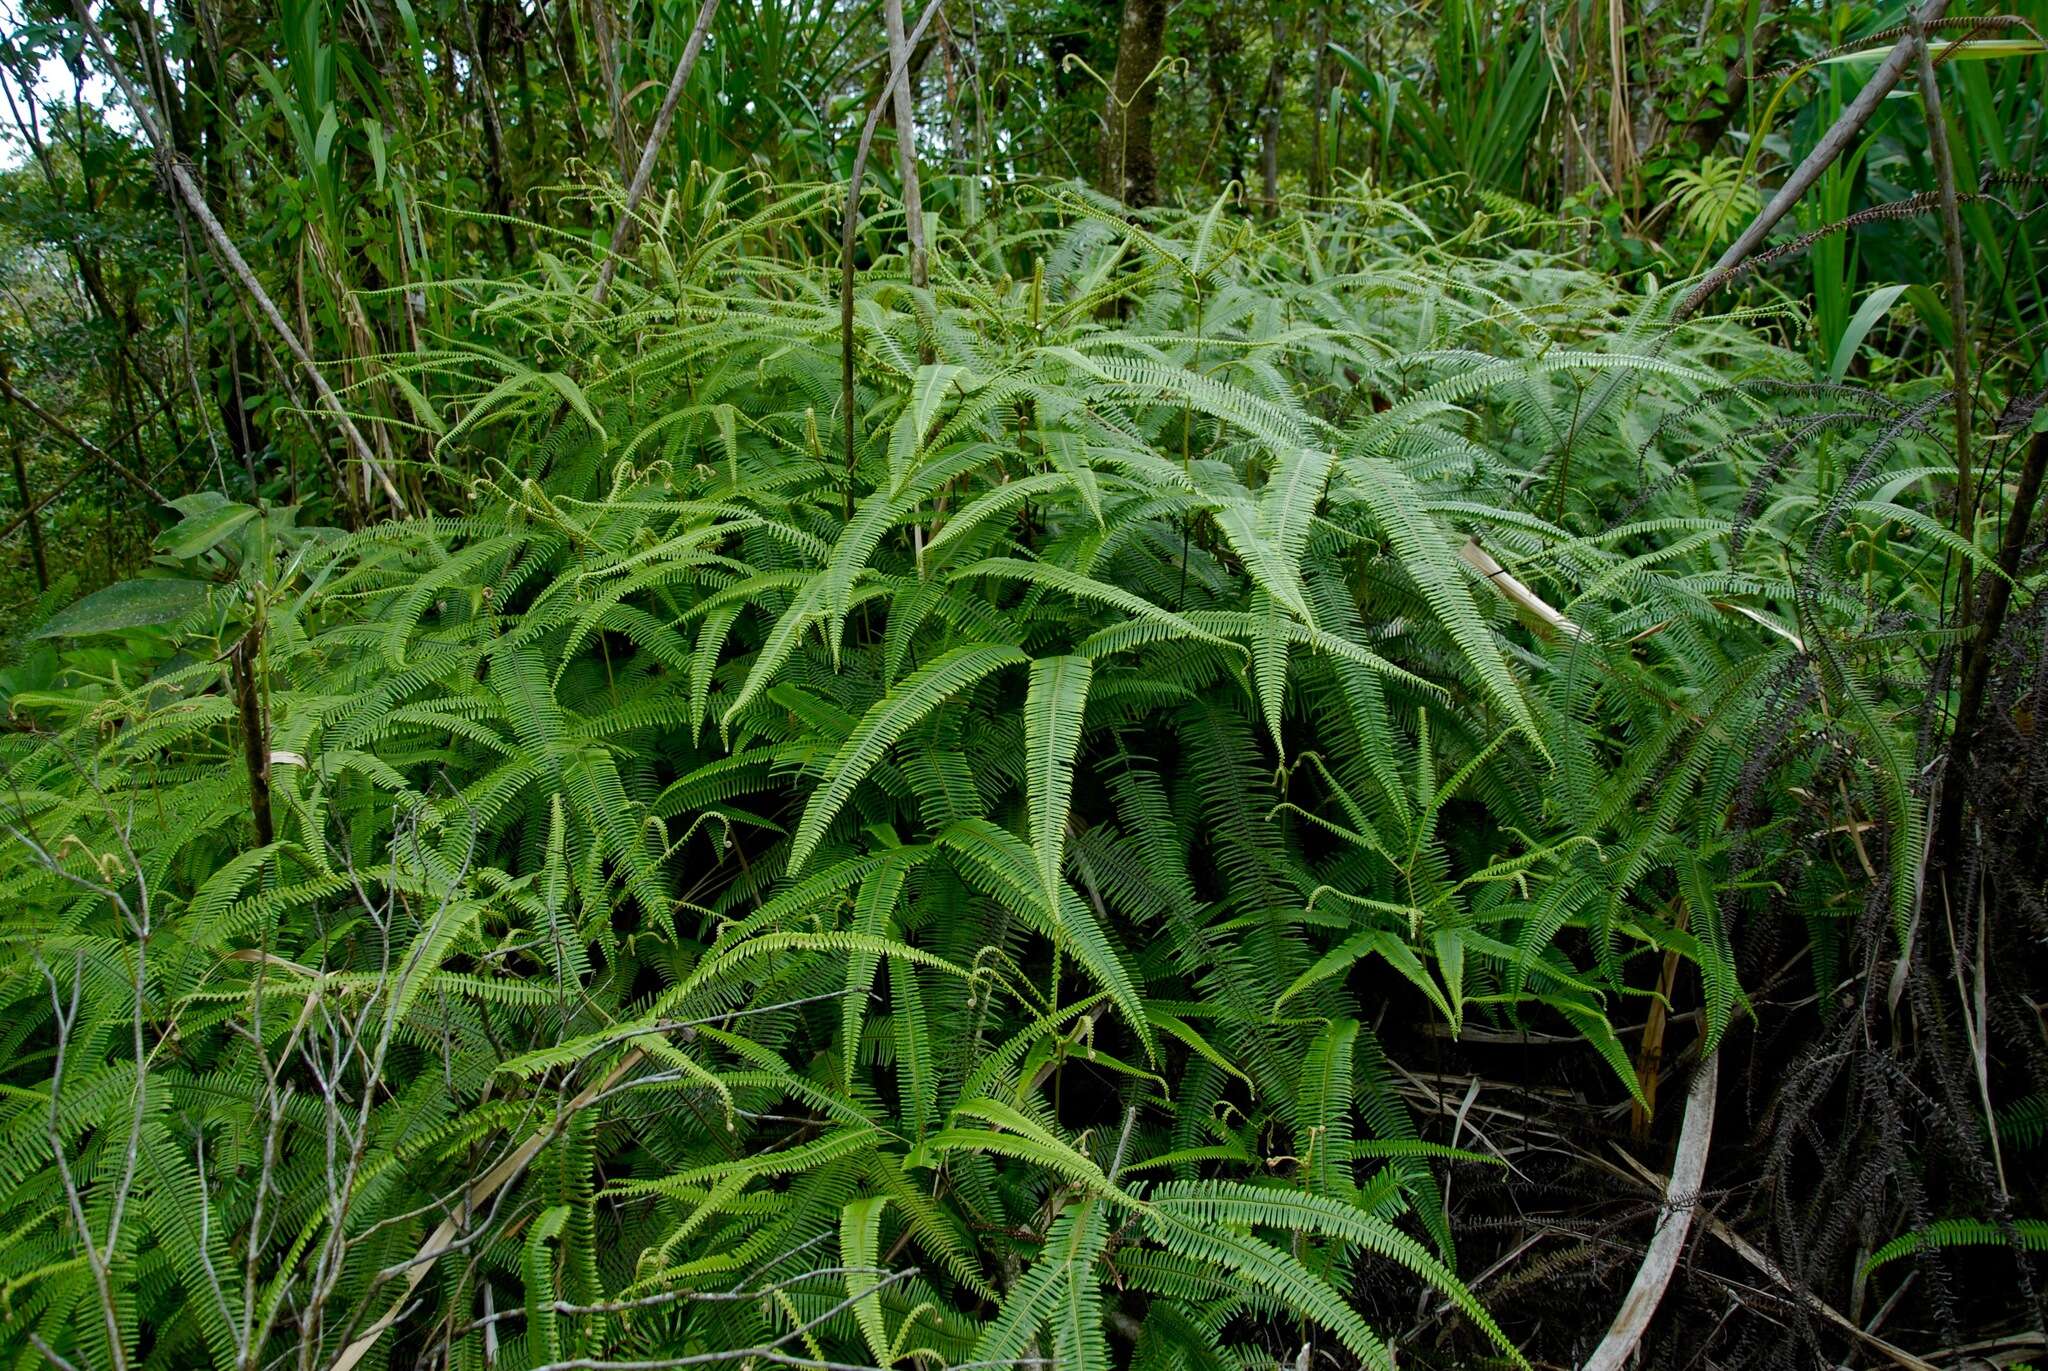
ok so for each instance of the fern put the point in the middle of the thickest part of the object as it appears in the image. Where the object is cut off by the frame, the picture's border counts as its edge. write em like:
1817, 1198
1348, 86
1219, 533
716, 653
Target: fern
1058, 984
2027, 1234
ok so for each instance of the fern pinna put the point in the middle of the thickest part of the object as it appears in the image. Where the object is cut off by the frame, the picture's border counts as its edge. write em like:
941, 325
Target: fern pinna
935, 912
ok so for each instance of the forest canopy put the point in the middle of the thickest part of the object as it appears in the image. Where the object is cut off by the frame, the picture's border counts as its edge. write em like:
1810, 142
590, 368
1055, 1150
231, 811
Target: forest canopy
1074, 683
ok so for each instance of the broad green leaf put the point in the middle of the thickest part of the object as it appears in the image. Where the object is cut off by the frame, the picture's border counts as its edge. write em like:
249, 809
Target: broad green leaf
202, 532
141, 603
1874, 307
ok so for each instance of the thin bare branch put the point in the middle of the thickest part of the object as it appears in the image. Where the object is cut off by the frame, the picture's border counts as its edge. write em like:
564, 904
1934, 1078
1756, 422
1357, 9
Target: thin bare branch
622, 235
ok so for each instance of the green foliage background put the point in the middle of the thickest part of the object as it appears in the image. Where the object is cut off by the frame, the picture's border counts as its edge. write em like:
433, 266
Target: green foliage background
682, 892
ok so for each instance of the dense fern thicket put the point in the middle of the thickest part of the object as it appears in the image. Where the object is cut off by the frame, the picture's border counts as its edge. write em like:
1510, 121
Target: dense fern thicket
1053, 872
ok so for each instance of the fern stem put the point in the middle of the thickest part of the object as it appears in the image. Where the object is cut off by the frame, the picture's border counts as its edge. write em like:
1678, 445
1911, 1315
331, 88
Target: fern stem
1977, 649
255, 730
1958, 306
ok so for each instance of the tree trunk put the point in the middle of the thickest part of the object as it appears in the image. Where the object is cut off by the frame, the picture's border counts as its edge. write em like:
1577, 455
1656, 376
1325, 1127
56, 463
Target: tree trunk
1756, 52
209, 99
1129, 170
529, 125
1319, 99
906, 143
570, 68
1979, 642
482, 40
609, 62
254, 729
28, 506
1269, 117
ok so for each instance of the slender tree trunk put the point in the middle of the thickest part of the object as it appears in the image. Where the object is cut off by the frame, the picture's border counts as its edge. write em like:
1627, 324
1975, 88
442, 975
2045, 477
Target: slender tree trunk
124, 401
957, 155
255, 732
529, 126
29, 510
482, 39
636, 186
1222, 44
608, 64
1978, 646
208, 101
563, 38
1319, 158
1130, 170
905, 97
1270, 99
1756, 51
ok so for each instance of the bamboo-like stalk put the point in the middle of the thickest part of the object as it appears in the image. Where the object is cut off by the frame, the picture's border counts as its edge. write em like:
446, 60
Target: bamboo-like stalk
1621, 130
255, 730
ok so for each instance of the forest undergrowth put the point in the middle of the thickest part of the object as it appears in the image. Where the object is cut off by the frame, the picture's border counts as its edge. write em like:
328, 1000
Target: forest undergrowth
1236, 807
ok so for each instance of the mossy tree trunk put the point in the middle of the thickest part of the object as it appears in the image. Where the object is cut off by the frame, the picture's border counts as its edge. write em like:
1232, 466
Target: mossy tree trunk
1130, 171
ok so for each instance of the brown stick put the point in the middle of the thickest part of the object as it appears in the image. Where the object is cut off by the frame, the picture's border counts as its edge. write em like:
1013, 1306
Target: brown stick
230, 256
1650, 1060
1831, 146
623, 233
